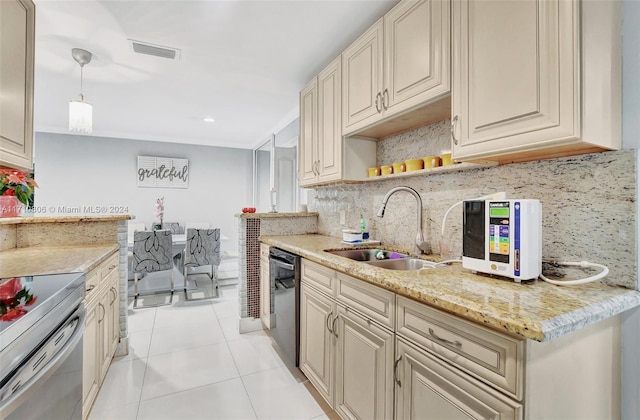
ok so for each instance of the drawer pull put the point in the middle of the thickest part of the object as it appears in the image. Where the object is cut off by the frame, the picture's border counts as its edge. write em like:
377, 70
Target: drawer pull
395, 373
111, 267
444, 340
453, 130
333, 326
90, 287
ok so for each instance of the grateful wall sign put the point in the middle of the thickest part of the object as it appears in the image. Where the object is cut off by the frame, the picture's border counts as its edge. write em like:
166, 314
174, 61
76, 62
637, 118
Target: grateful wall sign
161, 172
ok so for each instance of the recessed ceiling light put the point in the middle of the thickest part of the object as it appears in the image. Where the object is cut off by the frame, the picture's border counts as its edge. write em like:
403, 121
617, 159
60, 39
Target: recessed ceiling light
208, 119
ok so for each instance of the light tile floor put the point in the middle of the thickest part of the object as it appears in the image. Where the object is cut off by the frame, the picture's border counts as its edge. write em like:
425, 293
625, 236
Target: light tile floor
188, 361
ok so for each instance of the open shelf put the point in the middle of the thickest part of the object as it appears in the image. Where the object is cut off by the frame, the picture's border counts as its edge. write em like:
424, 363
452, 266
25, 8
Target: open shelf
433, 171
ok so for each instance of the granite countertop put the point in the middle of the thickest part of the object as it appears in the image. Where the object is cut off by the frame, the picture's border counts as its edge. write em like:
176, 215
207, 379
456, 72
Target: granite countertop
274, 215
63, 219
534, 310
30, 261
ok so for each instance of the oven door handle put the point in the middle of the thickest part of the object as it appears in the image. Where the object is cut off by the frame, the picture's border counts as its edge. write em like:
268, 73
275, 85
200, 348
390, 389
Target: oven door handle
9, 402
285, 265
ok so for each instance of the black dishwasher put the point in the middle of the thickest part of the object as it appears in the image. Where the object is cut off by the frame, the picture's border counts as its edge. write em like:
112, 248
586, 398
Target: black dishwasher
285, 282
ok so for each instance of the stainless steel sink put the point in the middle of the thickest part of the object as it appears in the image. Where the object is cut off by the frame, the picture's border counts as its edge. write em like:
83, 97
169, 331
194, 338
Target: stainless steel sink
403, 264
391, 261
368, 254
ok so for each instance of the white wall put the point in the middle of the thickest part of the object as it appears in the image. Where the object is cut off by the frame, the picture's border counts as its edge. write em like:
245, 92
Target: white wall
94, 171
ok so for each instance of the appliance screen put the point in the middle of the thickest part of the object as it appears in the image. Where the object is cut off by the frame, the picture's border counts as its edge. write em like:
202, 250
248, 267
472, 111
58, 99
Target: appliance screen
499, 232
473, 235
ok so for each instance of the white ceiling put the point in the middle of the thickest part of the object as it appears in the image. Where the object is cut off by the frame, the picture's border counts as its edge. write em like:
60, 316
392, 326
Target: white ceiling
242, 63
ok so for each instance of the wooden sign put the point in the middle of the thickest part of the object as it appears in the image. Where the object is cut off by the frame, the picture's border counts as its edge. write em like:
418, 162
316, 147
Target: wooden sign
160, 172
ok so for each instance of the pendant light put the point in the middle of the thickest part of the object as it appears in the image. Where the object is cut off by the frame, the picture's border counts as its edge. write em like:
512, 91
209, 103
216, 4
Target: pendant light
81, 112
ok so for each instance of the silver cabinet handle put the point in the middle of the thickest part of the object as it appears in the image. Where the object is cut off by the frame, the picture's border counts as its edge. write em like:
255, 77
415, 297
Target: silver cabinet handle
114, 295
385, 99
317, 167
333, 326
444, 340
395, 373
91, 287
328, 318
453, 130
378, 100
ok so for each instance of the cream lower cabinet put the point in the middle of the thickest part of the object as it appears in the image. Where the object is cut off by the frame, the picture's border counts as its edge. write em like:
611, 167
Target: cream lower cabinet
266, 309
373, 354
102, 328
428, 388
346, 355
534, 79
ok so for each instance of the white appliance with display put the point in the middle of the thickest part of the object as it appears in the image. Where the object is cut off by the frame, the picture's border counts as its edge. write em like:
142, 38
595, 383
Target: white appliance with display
503, 237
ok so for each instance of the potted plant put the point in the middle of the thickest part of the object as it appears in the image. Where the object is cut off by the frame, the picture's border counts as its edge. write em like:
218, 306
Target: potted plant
15, 187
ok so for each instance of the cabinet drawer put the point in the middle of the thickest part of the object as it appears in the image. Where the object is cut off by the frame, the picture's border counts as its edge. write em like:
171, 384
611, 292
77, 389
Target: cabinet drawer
482, 352
372, 301
108, 266
92, 279
320, 277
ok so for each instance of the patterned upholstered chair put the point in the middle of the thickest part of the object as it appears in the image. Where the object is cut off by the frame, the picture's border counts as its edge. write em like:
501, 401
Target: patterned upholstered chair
152, 253
174, 227
203, 249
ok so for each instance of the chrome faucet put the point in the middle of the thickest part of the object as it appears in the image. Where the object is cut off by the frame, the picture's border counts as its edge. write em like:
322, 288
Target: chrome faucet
420, 245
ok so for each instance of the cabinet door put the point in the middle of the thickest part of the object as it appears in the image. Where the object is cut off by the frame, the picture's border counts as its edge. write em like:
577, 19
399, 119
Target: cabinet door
114, 314
329, 123
516, 76
17, 35
308, 133
416, 54
317, 313
104, 356
364, 368
265, 293
362, 78
427, 388
90, 364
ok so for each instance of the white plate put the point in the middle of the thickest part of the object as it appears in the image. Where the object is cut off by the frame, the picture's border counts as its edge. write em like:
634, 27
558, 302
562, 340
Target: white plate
366, 242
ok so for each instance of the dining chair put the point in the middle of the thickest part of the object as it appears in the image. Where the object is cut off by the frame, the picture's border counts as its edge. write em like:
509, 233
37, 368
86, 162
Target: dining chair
196, 225
152, 253
174, 227
131, 229
203, 249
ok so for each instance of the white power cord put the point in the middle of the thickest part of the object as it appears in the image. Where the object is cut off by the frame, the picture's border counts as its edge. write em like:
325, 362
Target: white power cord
583, 264
495, 196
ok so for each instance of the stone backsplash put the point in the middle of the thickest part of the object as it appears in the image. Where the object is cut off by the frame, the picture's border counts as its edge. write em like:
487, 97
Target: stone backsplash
588, 202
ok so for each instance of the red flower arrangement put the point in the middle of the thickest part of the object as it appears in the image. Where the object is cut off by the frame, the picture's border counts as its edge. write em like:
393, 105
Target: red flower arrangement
13, 299
16, 183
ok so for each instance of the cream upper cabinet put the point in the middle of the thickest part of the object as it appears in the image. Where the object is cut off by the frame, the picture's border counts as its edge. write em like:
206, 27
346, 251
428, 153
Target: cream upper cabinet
17, 46
320, 127
400, 63
308, 133
534, 78
323, 152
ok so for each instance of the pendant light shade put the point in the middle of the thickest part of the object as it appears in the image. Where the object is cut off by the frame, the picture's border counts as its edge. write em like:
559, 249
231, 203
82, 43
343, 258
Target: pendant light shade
81, 112
80, 117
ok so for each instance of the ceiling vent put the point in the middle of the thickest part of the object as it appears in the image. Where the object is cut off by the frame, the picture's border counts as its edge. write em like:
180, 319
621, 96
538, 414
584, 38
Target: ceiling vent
155, 50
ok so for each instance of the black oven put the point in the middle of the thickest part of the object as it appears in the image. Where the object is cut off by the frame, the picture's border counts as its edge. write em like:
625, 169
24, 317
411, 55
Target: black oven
285, 282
